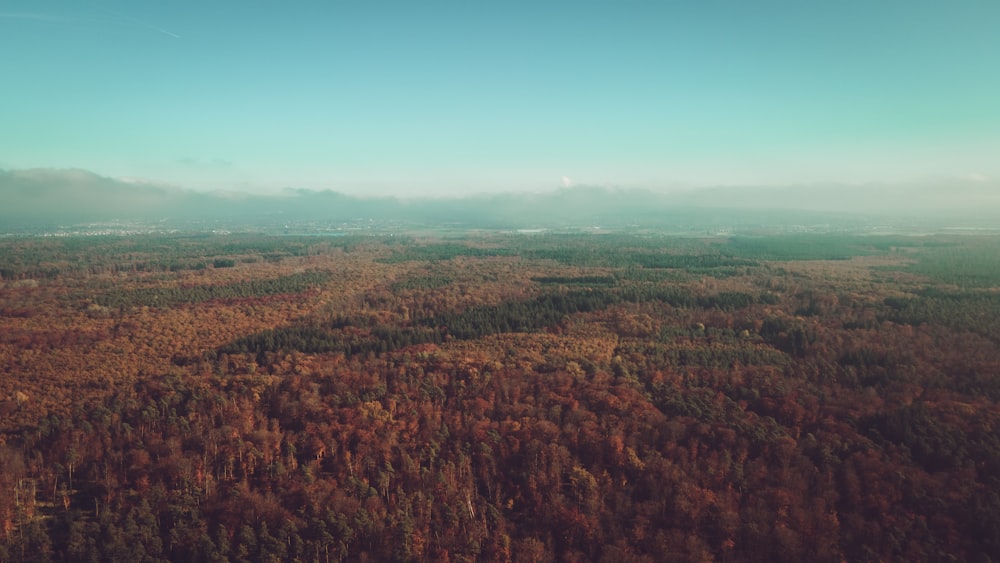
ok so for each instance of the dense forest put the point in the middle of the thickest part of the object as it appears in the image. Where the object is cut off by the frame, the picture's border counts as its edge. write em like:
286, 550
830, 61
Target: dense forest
500, 397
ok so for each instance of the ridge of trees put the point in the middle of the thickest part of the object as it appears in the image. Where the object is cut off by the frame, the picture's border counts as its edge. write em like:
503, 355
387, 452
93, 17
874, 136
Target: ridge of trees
173, 296
352, 337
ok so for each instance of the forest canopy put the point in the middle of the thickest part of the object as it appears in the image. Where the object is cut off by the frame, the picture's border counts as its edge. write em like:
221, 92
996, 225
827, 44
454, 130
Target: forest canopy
499, 397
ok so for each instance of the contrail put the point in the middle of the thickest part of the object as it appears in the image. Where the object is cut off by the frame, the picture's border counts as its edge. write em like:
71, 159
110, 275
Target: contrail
30, 16
141, 23
121, 18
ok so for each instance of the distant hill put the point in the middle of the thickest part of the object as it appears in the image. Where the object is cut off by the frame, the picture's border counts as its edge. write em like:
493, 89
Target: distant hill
41, 197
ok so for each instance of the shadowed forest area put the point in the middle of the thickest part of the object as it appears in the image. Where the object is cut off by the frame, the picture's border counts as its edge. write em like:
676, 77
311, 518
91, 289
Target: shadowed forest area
500, 397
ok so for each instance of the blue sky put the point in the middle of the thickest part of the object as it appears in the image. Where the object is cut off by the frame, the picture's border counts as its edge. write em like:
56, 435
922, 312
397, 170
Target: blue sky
458, 97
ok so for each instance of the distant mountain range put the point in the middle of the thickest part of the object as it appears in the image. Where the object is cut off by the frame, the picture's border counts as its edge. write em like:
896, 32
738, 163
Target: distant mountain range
44, 197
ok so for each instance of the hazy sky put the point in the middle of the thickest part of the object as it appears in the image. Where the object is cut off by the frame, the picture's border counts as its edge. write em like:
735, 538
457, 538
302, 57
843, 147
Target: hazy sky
465, 96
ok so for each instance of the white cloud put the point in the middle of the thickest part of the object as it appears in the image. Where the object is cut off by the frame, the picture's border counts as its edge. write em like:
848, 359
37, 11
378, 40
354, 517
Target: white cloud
974, 177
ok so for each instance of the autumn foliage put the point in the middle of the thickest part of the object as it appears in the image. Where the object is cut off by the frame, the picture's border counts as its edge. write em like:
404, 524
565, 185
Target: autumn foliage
499, 398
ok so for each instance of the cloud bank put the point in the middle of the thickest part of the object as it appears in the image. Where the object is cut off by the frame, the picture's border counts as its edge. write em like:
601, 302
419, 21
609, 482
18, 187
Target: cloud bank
65, 196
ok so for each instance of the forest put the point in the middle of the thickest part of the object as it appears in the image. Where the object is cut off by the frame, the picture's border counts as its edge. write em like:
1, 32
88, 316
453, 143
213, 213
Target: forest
623, 397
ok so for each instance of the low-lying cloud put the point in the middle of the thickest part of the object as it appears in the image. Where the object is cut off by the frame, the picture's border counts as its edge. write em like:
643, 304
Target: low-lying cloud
61, 196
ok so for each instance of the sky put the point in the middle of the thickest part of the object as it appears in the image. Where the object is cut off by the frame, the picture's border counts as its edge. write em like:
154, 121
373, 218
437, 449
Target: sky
460, 97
